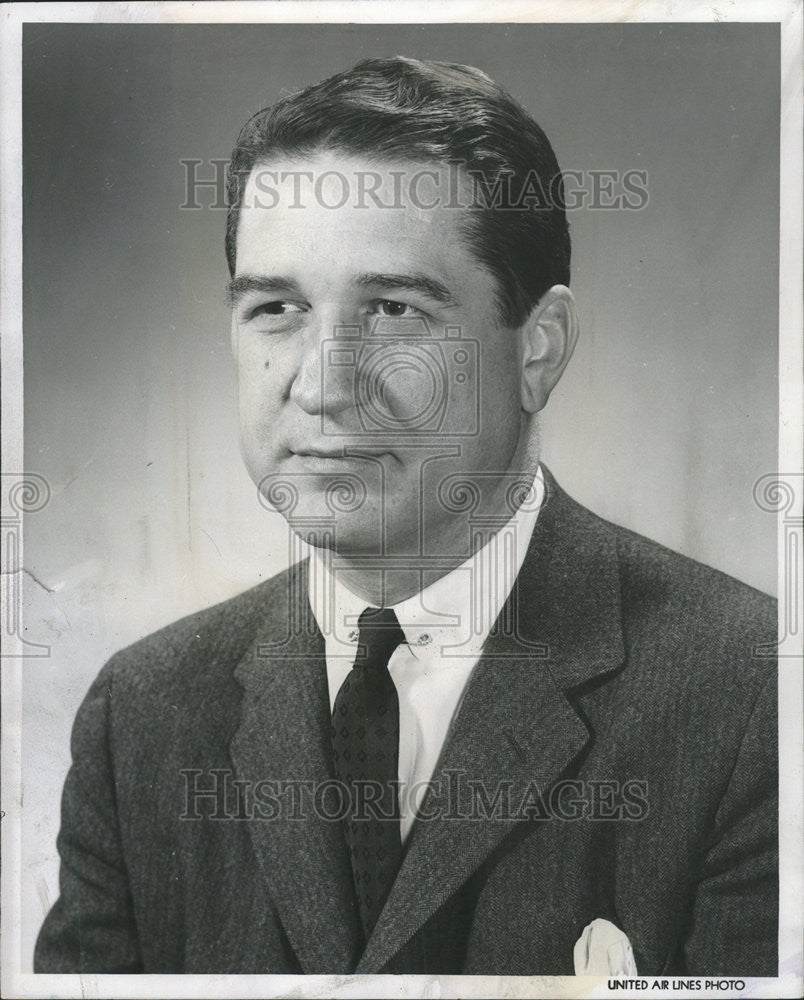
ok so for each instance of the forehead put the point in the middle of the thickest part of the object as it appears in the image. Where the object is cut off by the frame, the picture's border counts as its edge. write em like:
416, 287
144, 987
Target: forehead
369, 214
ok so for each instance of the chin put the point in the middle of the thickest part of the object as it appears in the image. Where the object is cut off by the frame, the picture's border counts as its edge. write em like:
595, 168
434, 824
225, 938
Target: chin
341, 538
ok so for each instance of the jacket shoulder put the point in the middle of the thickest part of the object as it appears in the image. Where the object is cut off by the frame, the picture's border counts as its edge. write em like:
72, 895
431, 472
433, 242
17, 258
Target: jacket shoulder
686, 620
669, 602
205, 646
652, 574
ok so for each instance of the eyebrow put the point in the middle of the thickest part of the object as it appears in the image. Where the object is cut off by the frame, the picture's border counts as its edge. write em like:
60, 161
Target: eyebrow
410, 283
245, 283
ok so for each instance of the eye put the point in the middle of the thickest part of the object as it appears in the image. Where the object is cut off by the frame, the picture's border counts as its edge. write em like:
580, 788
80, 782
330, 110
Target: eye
278, 308
390, 307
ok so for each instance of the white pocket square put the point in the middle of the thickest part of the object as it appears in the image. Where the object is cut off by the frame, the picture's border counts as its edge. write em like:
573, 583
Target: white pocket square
603, 950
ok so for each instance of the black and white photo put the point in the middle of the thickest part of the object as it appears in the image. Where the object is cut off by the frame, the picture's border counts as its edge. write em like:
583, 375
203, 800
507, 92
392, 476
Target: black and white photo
404, 507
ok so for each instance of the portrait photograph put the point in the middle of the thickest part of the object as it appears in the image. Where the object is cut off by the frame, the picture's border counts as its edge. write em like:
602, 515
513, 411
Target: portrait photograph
401, 500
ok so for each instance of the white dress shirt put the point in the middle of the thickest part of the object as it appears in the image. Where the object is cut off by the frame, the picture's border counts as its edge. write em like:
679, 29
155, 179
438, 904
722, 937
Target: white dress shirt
445, 626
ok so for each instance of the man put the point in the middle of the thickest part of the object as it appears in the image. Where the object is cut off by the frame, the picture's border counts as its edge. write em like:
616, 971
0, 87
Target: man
480, 730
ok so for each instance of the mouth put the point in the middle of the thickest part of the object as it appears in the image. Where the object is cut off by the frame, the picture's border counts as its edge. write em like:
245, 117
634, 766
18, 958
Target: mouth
322, 456
317, 452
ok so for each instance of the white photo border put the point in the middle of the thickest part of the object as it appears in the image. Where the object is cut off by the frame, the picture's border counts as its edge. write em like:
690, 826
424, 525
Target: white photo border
788, 13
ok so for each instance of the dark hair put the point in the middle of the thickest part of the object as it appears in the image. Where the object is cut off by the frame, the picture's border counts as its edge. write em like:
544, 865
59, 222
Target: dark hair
400, 108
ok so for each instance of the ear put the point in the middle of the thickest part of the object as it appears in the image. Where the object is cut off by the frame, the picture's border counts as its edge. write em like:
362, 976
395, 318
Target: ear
547, 340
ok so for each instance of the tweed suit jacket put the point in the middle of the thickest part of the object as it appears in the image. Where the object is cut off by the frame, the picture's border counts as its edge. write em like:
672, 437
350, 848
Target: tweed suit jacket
615, 756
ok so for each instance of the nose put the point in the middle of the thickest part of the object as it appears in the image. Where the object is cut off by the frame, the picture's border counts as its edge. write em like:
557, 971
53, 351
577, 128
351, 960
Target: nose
324, 381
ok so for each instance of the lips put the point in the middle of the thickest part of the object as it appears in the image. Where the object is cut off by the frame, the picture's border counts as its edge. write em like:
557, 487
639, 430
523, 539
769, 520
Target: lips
317, 452
321, 456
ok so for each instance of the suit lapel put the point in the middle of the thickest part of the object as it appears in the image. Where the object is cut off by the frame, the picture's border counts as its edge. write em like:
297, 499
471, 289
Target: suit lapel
285, 735
516, 729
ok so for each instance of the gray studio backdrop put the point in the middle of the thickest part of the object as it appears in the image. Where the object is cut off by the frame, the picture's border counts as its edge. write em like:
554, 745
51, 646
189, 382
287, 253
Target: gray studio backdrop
663, 422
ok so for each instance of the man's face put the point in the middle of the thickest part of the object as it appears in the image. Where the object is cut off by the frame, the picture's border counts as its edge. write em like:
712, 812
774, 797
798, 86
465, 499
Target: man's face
373, 368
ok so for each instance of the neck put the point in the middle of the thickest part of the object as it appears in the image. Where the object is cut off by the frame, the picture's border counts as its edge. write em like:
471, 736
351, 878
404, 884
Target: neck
455, 541
384, 588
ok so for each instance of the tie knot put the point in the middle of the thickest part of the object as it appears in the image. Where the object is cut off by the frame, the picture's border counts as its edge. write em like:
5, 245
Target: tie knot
379, 635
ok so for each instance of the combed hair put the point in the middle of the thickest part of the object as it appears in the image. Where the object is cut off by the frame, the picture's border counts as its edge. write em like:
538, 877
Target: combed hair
406, 109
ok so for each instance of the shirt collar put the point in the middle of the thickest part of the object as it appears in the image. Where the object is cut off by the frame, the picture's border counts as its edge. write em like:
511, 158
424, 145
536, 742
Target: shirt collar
450, 618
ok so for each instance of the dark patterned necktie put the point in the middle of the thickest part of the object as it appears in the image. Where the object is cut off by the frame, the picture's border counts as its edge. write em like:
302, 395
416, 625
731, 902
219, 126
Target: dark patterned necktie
365, 742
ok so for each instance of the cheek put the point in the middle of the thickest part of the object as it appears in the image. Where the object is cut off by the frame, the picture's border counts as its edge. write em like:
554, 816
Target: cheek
259, 409
499, 386
260, 379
